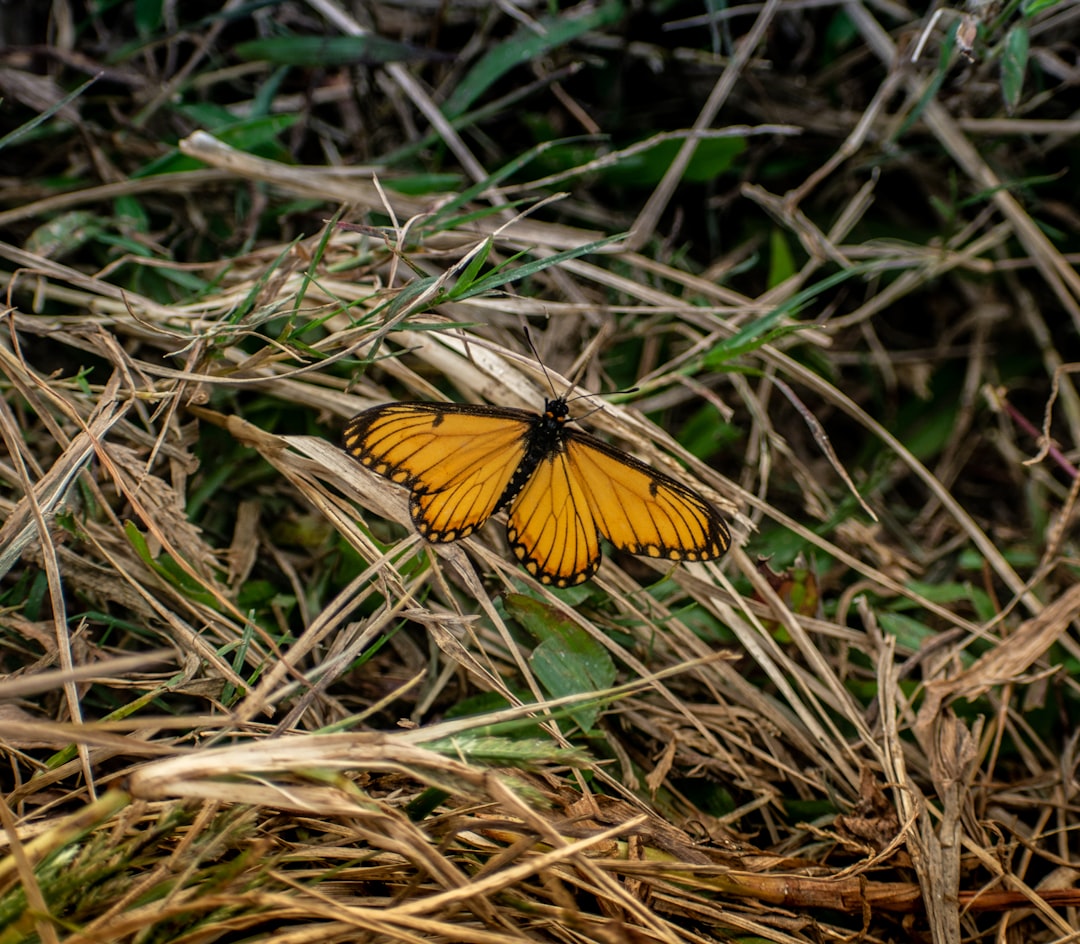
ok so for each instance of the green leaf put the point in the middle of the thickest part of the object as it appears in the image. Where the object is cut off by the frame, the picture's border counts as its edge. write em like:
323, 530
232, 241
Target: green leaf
840, 34
167, 569
1014, 61
405, 297
781, 261
247, 135
524, 753
927, 427
712, 157
495, 279
148, 16
257, 136
262, 104
315, 51
568, 661
758, 332
422, 184
1037, 6
910, 633
441, 217
23, 130
131, 213
955, 592
563, 669
472, 270
932, 87
526, 44
64, 233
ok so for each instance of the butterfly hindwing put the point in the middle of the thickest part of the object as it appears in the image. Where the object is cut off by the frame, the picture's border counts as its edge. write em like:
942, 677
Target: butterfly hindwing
641, 510
455, 459
551, 528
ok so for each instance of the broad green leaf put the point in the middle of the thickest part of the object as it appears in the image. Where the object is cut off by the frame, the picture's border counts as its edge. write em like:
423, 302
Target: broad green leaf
564, 669
568, 661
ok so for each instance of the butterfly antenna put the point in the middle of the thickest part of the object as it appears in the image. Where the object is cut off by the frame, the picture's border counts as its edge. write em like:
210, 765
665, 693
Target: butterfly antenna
540, 361
574, 379
596, 409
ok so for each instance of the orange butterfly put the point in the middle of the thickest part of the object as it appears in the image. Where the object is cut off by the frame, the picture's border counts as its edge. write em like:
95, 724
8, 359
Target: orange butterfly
564, 488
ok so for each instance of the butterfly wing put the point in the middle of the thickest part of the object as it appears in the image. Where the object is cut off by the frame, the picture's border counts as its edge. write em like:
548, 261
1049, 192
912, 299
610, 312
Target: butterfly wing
641, 510
551, 527
455, 459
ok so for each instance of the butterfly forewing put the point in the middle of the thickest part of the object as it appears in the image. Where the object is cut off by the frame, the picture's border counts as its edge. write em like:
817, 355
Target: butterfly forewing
455, 459
641, 510
551, 528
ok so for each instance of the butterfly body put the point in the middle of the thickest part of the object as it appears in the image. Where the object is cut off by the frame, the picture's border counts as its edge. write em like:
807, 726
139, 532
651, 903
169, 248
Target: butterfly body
563, 488
545, 438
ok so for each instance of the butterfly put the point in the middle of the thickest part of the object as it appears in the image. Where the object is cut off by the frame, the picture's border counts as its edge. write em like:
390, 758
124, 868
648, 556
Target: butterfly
563, 488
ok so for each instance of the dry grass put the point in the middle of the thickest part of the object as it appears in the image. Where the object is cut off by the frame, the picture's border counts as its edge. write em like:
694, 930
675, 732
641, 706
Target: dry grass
242, 698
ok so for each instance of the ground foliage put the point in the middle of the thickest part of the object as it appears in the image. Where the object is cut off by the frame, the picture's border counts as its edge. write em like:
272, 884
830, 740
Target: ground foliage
832, 247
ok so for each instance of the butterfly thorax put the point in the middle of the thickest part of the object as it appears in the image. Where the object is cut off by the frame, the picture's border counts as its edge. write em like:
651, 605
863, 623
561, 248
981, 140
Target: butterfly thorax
546, 437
